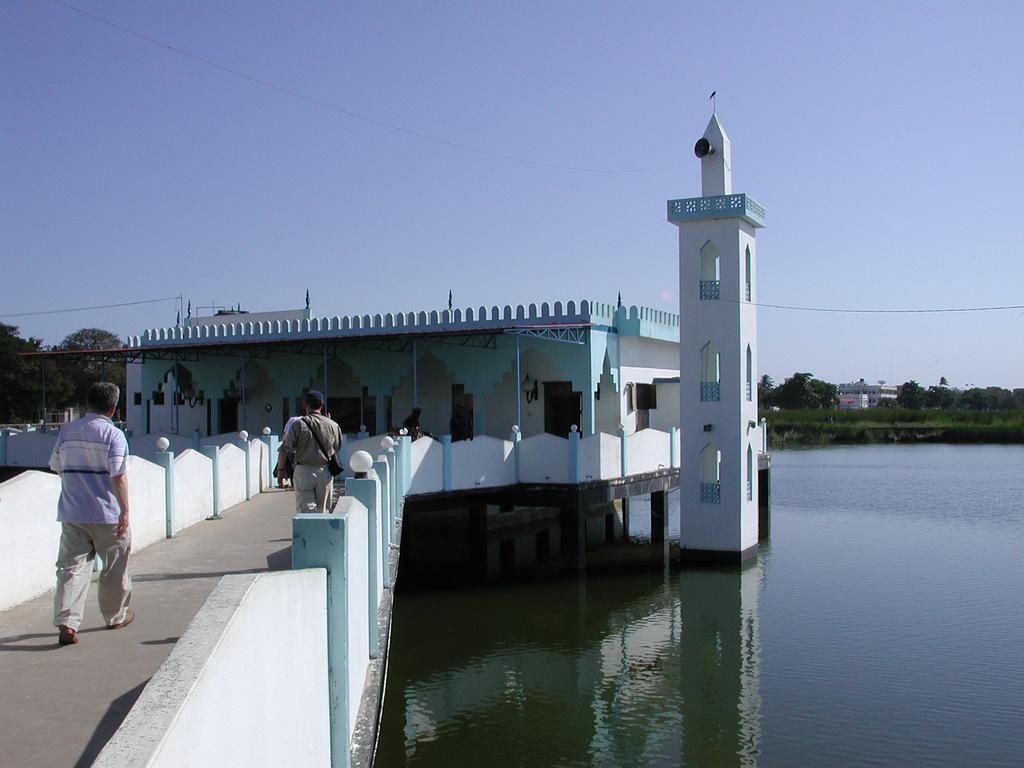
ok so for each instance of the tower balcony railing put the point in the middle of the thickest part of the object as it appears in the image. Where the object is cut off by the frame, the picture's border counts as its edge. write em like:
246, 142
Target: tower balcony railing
710, 289
750, 489
710, 391
750, 391
711, 493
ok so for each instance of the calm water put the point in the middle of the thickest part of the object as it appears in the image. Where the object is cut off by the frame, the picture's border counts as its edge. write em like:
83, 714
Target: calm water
882, 625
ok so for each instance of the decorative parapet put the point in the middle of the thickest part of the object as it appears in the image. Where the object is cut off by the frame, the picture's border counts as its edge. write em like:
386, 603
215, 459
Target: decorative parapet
649, 322
447, 320
717, 207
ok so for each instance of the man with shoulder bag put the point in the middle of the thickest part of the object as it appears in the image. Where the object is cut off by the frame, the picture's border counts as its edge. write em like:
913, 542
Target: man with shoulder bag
313, 442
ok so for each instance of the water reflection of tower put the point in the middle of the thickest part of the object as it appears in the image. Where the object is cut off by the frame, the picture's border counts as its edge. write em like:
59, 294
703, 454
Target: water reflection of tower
721, 659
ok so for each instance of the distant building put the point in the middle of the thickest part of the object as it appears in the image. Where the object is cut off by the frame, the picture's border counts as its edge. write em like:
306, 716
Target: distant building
860, 394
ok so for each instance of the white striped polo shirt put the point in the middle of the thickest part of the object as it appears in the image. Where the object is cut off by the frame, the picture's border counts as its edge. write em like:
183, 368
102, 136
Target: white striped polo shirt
89, 451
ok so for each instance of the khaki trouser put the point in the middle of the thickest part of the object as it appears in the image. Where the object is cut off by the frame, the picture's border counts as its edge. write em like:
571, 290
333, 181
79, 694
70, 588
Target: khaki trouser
313, 488
79, 545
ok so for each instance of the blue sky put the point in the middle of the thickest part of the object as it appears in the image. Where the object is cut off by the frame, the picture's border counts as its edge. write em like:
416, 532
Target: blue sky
884, 139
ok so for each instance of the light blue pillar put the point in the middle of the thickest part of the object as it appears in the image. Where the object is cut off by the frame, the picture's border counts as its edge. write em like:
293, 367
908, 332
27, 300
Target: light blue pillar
3, 447
406, 479
380, 467
392, 490
623, 462
195, 439
446, 462
673, 458
213, 453
243, 443
399, 468
574, 455
362, 434
318, 541
166, 460
270, 440
516, 437
366, 490
128, 439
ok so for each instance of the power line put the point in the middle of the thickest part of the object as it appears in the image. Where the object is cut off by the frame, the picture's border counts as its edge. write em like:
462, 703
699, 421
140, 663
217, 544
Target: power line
888, 311
349, 112
83, 309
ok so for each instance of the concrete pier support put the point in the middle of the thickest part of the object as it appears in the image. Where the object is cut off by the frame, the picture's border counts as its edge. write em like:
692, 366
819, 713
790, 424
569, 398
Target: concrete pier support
658, 517
764, 502
574, 533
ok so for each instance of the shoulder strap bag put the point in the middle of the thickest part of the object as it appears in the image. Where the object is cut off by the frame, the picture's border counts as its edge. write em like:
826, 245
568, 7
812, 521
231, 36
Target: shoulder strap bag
333, 465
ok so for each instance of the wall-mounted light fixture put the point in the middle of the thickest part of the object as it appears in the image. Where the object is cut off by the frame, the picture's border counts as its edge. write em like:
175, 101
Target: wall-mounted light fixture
193, 398
530, 388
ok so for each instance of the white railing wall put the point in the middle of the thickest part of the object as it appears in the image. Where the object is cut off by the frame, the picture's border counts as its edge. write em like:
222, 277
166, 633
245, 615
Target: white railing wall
246, 684
481, 462
29, 449
193, 488
600, 457
427, 462
544, 459
28, 510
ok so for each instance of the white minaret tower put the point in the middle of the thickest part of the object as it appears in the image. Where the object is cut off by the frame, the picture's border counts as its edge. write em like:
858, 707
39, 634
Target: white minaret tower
717, 360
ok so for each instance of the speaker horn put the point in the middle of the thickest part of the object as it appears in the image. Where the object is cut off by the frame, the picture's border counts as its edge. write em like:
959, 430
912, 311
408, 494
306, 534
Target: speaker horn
703, 148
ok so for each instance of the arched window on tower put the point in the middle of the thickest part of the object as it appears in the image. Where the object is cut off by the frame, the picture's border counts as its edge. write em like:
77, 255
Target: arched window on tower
710, 277
710, 475
710, 370
750, 473
746, 272
750, 374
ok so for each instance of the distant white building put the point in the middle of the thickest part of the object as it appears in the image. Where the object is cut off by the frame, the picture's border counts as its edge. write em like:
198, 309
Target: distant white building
860, 394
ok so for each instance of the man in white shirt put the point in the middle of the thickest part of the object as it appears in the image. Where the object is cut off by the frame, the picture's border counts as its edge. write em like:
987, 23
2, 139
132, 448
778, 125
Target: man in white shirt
91, 457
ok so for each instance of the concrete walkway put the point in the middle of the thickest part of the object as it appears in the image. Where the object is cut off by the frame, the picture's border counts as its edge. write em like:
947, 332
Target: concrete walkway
59, 706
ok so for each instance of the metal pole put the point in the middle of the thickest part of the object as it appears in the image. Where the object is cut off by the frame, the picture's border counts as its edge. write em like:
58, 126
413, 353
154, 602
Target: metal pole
325, 378
242, 377
519, 391
42, 364
177, 396
415, 384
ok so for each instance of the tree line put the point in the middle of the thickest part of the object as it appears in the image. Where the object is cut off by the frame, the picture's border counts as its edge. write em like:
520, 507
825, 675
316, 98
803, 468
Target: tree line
803, 391
67, 381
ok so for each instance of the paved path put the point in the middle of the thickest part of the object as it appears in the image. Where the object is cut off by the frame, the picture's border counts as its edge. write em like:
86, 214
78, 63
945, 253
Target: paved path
59, 706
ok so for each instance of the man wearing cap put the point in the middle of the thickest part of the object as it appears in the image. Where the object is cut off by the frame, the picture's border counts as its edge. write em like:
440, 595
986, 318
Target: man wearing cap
310, 442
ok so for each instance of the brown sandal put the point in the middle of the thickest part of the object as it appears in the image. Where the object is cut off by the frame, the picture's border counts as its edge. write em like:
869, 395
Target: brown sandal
67, 636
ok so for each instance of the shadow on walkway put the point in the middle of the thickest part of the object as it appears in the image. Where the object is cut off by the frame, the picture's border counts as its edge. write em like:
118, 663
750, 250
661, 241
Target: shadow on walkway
110, 722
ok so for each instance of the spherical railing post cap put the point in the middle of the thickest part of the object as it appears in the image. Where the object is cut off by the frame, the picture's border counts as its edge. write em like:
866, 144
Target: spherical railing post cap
162, 444
574, 428
403, 431
243, 435
387, 443
515, 427
266, 430
361, 461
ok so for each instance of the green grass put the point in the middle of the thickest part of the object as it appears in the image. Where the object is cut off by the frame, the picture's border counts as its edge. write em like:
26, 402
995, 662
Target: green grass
893, 425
